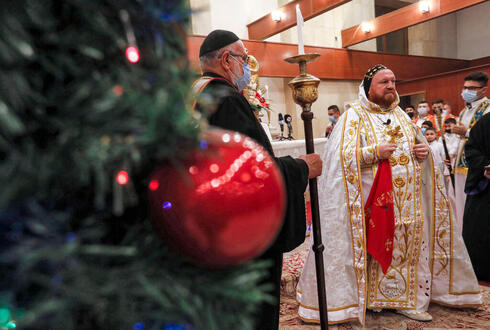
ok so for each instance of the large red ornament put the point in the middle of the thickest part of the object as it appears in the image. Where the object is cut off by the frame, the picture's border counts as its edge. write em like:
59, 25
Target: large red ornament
224, 205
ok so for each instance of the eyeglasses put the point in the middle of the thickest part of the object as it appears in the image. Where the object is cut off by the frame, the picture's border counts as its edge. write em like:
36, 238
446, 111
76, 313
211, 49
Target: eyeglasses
472, 88
243, 57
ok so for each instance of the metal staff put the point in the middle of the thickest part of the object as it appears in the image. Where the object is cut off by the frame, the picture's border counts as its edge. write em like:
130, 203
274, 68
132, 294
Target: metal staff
446, 153
305, 92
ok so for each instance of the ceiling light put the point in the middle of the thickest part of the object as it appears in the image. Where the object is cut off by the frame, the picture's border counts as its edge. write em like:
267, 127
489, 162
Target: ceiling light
277, 15
424, 6
366, 27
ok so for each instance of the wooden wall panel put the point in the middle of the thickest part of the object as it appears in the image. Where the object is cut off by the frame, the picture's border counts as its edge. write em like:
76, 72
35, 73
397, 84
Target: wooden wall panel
334, 63
480, 61
445, 86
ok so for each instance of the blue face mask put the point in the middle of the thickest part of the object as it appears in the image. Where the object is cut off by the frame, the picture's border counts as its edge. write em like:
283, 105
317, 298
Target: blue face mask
332, 119
468, 96
423, 129
242, 82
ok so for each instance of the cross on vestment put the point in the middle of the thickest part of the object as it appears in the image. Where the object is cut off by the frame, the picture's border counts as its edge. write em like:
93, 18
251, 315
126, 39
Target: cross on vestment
394, 133
388, 244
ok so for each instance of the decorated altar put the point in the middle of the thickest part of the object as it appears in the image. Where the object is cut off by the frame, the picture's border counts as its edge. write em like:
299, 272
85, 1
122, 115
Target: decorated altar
294, 148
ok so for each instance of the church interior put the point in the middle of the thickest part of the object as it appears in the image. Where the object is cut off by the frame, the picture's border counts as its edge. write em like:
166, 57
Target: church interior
287, 182
429, 45
429, 52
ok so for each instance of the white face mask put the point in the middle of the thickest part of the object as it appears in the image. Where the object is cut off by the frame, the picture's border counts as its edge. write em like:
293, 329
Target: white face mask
422, 111
469, 96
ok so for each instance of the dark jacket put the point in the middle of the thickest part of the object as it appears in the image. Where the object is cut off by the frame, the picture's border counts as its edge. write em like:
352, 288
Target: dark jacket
232, 111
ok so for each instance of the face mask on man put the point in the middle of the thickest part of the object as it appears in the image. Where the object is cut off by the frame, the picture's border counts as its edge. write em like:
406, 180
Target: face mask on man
422, 111
410, 114
468, 96
423, 129
332, 119
242, 82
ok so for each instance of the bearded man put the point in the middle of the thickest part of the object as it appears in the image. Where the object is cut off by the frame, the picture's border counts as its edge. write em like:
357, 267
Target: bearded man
385, 219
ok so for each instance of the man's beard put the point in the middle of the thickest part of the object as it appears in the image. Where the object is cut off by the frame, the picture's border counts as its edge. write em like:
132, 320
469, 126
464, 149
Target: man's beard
383, 101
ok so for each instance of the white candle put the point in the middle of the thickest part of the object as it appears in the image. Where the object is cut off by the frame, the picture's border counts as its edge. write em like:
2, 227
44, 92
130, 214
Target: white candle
299, 23
266, 92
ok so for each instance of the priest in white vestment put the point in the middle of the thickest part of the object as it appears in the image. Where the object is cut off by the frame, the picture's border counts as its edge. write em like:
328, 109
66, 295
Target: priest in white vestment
477, 105
426, 259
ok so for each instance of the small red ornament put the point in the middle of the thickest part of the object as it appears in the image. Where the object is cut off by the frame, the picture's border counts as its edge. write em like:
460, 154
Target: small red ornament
224, 205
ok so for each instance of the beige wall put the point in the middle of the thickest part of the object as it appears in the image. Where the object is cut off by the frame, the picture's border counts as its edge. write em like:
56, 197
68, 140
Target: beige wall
434, 38
473, 32
463, 34
324, 30
233, 15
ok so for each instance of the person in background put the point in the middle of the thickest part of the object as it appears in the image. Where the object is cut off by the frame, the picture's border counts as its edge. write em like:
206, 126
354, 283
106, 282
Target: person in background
437, 105
410, 111
446, 114
425, 125
452, 139
477, 105
437, 150
333, 116
423, 112
476, 228
224, 63
447, 110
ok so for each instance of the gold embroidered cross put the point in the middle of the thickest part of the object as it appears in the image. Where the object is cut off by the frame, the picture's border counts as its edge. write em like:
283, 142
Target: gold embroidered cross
388, 244
394, 133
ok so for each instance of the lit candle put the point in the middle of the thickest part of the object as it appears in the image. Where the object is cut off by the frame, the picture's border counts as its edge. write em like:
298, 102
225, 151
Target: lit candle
299, 23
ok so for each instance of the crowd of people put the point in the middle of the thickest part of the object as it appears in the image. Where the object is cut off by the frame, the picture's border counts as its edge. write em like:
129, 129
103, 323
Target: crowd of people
388, 207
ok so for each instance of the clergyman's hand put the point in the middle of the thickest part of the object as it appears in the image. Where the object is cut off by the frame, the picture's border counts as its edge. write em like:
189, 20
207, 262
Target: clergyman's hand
314, 163
421, 151
447, 162
385, 150
459, 129
487, 172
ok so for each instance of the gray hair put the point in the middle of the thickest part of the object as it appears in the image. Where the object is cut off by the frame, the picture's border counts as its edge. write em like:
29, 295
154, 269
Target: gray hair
209, 59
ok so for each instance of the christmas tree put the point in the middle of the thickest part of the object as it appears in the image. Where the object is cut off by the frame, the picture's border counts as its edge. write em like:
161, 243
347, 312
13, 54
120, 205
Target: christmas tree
95, 94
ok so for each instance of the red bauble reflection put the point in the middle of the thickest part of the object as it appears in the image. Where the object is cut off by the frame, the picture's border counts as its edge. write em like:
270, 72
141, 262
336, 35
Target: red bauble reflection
224, 205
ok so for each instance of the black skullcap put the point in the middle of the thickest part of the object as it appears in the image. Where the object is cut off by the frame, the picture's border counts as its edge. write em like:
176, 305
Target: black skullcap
217, 40
368, 77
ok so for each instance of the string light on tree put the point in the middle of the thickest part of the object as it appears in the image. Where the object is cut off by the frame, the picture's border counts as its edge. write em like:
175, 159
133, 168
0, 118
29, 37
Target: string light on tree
122, 177
132, 54
118, 90
153, 185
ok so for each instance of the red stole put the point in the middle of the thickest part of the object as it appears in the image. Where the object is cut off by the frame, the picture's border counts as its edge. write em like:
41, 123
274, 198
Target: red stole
380, 217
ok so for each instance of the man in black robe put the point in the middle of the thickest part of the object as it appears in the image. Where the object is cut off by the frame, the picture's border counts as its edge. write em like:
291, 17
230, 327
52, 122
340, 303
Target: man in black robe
476, 220
224, 62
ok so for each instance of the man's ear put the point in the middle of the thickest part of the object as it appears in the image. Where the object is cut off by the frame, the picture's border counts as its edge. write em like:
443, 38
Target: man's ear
225, 60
